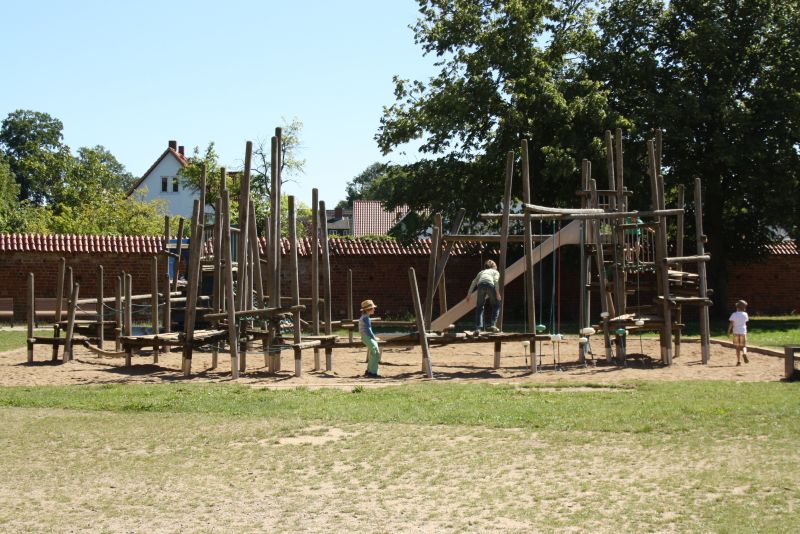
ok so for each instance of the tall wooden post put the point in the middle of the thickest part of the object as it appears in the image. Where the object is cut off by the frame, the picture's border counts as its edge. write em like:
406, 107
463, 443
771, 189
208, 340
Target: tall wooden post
662, 269
504, 234
73, 307
31, 316
326, 281
315, 271
154, 304
244, 229
192, 276
120, 288
423, 338
530, 277
679, 267
166, 323
350, 305
128, 283
601, 273
101, 324
178, 248
59, 304
233, 340
431, 279
705, 333
295, 287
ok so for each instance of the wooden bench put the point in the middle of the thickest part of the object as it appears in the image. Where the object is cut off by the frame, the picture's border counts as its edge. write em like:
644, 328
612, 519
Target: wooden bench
45, 309
7, 309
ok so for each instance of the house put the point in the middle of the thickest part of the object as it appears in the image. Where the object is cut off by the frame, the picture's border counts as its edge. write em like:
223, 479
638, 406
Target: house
340, 221
370, 217
162, 182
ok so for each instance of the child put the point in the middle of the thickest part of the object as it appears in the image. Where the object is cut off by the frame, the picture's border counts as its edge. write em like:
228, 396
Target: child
368, 338
738, 326
487, 283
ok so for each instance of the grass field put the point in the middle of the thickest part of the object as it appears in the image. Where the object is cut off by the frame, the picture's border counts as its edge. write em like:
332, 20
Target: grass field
658, 457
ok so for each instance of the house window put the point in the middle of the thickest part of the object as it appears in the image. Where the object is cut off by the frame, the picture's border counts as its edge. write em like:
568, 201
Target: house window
174, 184
164, 181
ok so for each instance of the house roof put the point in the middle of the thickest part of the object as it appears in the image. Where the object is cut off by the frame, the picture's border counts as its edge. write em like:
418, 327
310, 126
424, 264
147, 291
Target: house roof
92, 244
370, 217
169, 151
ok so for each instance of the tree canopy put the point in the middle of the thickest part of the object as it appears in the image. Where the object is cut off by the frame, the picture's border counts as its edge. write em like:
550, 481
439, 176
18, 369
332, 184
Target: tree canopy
719, 78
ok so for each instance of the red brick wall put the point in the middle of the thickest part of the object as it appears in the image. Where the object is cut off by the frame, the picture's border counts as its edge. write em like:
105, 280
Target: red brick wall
769, 287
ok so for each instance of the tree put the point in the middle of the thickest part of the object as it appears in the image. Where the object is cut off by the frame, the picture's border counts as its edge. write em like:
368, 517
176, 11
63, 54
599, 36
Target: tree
367, 185
509, 71
721, 79
192, 173
92, 173
31, 141
291, 164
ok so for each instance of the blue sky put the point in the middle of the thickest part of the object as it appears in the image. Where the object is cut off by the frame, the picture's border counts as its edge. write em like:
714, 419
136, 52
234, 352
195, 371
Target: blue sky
133, 75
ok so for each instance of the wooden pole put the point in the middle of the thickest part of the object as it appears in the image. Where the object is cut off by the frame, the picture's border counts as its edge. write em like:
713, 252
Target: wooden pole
216, 292
315, 271
679, 267
530, 277
657, 193
244, 299
101, 326
166, 320
154, 304
178, 248
326, 280
192, 275
118, 312
423, 338
618, 170
431, 278
233, 341
295, 286
31, 316
73, 307
59, 304
128, 279
705, 333
275, 218
504, 234
350, 310
601, 274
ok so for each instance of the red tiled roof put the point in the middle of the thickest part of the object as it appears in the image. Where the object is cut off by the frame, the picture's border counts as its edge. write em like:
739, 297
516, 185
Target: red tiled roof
369, 217
89, 244
784, 248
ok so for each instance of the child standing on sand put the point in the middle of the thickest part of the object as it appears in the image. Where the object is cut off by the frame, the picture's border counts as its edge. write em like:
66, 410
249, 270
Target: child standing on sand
369, 339
738, 326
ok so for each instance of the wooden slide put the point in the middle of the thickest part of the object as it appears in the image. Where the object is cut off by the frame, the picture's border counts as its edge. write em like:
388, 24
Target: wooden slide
569, 235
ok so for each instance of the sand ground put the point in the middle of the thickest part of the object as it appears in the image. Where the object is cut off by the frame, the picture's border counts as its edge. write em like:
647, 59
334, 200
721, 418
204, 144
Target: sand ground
462, 363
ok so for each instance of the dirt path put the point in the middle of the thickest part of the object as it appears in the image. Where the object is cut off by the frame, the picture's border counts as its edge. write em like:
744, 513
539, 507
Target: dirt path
464, 363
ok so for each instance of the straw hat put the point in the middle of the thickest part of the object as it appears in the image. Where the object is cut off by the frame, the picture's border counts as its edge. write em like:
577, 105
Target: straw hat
367, 305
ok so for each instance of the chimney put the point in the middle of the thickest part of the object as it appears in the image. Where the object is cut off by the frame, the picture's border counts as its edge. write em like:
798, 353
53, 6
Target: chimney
173, 145
337, 213
180, 150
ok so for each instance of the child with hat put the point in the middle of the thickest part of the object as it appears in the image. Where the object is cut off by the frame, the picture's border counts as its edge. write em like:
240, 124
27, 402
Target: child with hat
369, 339
738, 326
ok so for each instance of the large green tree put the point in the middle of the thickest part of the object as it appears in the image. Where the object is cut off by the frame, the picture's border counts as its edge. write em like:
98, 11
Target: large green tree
32, 144
721, 79
509, 70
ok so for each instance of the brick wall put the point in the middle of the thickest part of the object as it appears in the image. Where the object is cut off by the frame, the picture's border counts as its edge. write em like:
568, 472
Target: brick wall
770, 286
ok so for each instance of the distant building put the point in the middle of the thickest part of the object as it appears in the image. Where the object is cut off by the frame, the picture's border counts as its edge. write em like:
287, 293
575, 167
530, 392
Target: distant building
163, 182
370, 217
340, 221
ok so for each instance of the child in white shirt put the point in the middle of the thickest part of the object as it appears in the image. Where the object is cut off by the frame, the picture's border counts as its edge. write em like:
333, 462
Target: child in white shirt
738, 327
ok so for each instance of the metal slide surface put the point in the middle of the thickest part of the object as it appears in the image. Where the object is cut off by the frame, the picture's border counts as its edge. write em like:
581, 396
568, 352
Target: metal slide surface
569, 235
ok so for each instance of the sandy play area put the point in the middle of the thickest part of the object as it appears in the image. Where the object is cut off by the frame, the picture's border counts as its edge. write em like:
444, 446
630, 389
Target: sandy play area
464, 363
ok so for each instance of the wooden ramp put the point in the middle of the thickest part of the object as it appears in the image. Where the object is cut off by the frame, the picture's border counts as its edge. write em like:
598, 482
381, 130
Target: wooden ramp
568, 235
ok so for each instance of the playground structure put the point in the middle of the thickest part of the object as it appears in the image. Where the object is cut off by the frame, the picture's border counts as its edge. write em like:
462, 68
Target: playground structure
245, 304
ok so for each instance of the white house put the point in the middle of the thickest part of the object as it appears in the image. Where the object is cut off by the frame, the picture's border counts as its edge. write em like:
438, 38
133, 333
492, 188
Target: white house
162, 182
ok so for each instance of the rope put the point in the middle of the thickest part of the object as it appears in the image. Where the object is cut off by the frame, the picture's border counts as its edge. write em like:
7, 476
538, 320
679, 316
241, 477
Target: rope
558, 280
